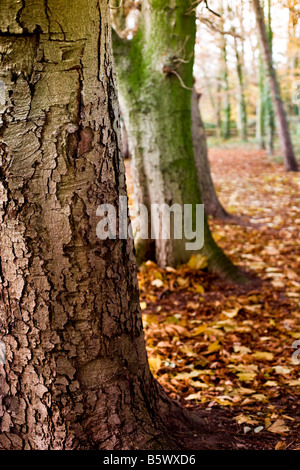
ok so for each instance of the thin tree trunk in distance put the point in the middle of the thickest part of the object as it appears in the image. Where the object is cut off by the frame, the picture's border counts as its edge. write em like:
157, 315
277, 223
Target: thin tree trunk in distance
226, 106
268, 106
293, 51
240, 62
290, 161
260, 108
242, 114
210, 199
215, 102
218, 109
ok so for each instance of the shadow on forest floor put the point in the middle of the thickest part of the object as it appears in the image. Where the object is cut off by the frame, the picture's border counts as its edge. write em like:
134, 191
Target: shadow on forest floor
228, 349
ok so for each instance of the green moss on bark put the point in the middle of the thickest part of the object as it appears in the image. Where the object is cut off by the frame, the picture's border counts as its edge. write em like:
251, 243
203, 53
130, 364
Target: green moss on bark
155, 81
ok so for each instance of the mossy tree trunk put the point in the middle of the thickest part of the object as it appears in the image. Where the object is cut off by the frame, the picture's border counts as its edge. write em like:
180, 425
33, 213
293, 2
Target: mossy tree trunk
155, 75
76, 374
289, 158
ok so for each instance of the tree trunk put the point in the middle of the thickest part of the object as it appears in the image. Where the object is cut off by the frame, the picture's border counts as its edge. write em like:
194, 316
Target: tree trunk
215, 101
280, 115
226, 106
210, 199
293, 52
260, 108
242, 112
218, 110
268, 106
124, 135
76, 373
155, 75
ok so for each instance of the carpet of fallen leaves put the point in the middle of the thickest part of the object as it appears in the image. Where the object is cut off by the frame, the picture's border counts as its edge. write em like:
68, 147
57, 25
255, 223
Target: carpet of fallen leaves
217, 345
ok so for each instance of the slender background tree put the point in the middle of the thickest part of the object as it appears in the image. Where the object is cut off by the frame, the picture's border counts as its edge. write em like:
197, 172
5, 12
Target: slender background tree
290, 161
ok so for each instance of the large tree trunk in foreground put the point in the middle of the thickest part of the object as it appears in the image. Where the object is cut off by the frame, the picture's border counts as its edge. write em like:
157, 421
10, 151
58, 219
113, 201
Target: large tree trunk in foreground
155, 74
290, 162
76, 374
209, 197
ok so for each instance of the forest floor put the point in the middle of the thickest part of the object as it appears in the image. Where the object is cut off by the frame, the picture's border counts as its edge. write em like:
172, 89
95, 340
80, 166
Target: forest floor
226, 349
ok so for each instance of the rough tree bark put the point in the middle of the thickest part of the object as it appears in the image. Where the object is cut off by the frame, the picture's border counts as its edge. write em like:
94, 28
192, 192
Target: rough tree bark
209, 197
155, 75
290, 161
76, 374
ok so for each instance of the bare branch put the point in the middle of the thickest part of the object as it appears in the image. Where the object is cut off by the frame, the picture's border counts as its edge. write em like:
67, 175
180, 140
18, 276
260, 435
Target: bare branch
168, 70
215, 28
212, 11
195, 5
